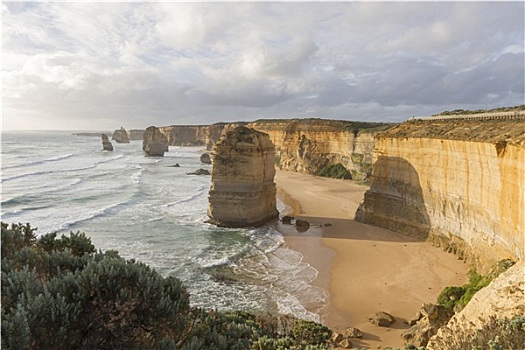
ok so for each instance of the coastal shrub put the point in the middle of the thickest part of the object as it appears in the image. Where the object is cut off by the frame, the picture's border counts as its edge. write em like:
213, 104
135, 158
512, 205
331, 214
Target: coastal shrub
496, 334
60, 293
337, 171
458, 297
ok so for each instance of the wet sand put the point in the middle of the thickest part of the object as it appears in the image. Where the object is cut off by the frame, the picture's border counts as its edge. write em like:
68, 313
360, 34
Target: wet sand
366, 269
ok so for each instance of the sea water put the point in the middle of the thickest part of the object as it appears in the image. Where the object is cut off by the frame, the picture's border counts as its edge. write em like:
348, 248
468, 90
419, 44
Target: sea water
150, 211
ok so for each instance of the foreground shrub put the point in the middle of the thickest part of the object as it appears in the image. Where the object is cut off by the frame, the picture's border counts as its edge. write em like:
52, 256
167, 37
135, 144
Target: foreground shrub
59, 293
496, 334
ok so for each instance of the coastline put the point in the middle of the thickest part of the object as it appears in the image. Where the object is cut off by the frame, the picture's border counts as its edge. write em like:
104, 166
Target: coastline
364, 268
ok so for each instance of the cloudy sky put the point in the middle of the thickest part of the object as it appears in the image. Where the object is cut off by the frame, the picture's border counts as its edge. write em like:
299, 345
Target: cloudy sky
99, 66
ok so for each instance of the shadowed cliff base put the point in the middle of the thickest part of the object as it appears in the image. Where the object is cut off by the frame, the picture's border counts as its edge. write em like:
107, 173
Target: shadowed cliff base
395, 203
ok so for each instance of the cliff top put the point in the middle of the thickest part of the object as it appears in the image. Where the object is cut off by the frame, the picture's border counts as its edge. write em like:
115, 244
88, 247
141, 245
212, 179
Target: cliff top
317, 124
491, 130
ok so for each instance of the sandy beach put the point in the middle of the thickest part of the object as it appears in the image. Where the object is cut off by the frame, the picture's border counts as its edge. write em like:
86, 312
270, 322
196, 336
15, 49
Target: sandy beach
366, 269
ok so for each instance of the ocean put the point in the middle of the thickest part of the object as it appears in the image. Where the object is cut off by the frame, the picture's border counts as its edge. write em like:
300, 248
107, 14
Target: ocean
152, 212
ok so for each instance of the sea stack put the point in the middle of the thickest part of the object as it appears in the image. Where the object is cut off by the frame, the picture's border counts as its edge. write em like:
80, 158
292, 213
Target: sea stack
120, 136
106, 144
155, 142
242, 189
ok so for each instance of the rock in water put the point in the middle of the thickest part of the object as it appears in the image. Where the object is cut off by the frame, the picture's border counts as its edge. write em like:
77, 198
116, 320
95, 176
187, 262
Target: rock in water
120, 136
205, 158
242, 189
155, 142
199, 172
106, 144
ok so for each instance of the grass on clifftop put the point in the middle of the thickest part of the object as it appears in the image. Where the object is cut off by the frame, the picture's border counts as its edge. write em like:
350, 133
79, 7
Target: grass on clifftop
478, 111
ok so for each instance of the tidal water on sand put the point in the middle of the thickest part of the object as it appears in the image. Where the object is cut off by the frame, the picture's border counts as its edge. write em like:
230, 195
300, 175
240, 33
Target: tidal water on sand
152, 212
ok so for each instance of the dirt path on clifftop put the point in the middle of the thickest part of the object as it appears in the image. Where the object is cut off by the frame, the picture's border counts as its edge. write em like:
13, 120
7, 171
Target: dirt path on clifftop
365, 268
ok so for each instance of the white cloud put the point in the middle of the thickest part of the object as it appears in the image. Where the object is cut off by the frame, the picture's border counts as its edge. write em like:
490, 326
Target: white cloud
103, 65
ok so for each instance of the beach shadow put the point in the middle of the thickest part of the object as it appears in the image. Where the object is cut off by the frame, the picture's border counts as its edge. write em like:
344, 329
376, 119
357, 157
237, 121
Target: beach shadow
346, 229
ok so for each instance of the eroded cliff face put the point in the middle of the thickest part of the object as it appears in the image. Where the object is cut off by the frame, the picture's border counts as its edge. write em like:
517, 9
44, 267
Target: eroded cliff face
196, 135
136, 134
242, 191
308, 145
459, 184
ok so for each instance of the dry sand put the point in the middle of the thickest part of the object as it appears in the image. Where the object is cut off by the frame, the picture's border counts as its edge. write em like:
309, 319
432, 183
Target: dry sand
366, 269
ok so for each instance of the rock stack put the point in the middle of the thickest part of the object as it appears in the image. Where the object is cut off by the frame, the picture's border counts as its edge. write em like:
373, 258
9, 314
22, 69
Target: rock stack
205, 158
242, 190
106, 144
120, 136
155, 142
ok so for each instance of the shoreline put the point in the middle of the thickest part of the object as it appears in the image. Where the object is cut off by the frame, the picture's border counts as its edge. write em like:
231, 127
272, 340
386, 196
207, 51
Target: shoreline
364, 268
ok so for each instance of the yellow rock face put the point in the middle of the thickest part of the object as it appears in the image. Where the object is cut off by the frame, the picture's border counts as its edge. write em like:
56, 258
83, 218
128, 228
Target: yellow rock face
307, 145
466, 194
242, 189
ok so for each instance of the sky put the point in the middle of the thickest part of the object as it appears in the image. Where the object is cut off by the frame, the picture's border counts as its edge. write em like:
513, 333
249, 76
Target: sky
100, 65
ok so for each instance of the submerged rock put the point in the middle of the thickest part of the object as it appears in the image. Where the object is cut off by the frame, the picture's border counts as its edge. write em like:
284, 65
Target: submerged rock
106, 144
155, 142
242, 189
199, 172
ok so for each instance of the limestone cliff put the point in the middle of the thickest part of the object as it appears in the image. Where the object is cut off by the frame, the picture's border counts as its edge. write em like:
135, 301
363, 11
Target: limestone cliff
196, 135
120, 136
155, 142
503, 298
242, 190
303, 145
458, 183
308, 145
136, 134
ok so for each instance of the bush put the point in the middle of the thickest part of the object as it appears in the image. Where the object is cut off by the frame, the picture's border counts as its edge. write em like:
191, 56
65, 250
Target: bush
458, 297
62, 294
496, 334
337, 171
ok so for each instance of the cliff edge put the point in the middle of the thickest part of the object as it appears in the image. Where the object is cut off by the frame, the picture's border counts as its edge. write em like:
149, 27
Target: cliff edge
458, 183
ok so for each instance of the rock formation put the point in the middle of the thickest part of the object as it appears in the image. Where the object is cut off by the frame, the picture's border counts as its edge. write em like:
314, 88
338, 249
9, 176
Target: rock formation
503, 298
303, 145
120, 136
457, 183
309, 145
242, 190
205, 158
155, 142
199, 172
106, 144
426, 324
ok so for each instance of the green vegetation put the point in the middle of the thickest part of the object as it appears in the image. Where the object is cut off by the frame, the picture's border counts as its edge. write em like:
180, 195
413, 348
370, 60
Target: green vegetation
494, 110
337, 171
496, 334
458, 297
60, 293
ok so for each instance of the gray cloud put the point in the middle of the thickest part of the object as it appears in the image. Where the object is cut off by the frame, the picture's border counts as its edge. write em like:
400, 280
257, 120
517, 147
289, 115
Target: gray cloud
103, 65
